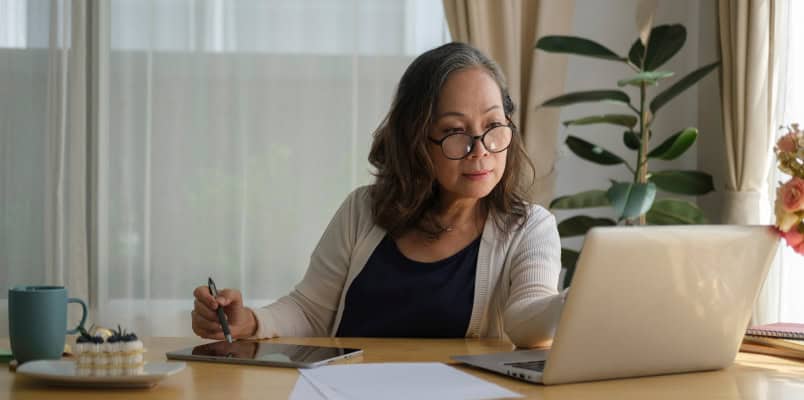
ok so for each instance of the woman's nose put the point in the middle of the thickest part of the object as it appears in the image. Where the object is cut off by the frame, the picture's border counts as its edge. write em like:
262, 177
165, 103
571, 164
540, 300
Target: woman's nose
478, 149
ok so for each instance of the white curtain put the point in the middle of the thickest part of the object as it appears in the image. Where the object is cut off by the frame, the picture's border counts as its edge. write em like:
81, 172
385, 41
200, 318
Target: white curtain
782, 298
747, 74
43, 142
226, 135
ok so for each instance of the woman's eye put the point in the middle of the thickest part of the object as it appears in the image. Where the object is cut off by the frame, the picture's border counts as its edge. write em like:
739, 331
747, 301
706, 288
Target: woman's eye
494, 125
453, 130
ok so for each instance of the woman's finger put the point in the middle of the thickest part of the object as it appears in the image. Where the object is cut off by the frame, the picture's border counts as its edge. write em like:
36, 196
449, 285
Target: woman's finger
197, 329
201, 294
230, 297
205, 324
208, 334
204, 312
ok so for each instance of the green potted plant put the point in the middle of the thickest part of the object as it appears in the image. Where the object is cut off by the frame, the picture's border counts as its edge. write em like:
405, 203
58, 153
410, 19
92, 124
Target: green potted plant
634, 202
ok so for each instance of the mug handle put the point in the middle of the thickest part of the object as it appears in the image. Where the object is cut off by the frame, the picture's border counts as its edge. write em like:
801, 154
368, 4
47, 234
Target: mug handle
83, 315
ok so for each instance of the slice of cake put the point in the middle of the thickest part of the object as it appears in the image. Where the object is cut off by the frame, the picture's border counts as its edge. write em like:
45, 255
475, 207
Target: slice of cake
119, 354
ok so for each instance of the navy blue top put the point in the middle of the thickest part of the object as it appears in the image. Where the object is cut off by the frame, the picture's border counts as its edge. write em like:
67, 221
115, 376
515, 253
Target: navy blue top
394, 296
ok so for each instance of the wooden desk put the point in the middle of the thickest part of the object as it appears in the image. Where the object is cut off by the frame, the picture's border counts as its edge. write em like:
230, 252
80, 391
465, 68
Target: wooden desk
754, 377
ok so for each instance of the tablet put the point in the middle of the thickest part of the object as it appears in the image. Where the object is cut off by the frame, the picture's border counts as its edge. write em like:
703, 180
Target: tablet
263, 353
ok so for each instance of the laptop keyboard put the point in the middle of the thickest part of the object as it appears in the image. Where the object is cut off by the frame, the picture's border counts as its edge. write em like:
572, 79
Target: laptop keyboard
530, 365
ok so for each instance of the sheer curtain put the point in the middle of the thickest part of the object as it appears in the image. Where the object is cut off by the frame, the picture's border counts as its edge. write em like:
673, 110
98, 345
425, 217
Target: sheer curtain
785, 299
43, 142
232, 132
146, 145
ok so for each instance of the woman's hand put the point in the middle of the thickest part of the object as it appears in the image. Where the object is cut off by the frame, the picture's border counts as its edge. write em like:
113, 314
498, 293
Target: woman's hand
242, 322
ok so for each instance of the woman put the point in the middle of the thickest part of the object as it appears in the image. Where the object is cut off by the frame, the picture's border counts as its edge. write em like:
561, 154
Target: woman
442, 244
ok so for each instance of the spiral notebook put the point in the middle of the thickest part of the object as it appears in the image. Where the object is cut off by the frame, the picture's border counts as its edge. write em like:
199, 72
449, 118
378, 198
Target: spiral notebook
783, 330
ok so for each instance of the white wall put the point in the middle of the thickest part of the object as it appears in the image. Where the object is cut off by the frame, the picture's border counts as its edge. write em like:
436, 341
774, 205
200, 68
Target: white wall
612, 23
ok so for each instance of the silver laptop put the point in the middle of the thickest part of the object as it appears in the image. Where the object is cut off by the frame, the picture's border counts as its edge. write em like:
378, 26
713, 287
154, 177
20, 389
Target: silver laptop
649, 301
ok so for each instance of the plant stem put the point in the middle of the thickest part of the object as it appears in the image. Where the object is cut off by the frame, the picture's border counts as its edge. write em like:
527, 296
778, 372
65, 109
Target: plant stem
642, 164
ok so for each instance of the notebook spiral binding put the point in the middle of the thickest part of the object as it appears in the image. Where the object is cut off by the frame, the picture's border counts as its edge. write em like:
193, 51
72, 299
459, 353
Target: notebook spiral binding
775, 334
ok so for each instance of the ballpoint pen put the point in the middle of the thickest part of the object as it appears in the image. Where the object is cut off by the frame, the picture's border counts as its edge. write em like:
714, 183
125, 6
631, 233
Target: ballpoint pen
221, 316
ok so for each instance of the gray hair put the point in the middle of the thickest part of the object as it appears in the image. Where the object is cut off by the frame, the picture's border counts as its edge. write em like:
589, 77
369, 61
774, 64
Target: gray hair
405, 191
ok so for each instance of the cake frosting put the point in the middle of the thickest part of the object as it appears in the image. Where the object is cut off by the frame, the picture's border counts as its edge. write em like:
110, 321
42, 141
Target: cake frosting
117, 355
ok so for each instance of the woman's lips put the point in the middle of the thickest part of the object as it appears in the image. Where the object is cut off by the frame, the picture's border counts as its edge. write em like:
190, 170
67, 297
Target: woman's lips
477, 175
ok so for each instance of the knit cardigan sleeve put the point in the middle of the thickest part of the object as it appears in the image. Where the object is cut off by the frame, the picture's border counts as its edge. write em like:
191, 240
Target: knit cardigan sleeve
309, 310
534, 305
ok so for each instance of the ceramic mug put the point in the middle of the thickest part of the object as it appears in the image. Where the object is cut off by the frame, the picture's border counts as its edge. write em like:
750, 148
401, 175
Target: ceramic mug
37, 318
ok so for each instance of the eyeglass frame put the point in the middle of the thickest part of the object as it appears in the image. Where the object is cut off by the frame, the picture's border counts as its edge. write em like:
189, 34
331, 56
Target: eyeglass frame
477, 138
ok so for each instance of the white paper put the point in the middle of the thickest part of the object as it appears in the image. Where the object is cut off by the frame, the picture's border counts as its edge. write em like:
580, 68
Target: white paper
419, 381
304, 390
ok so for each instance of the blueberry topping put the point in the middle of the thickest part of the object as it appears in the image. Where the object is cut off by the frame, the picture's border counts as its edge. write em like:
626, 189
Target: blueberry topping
85, 336
120, 335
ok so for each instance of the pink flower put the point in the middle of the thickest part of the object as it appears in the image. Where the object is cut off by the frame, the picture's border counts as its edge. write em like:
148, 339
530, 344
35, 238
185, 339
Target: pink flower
789, 205
787, 143
792, 194
794, 238
784, 219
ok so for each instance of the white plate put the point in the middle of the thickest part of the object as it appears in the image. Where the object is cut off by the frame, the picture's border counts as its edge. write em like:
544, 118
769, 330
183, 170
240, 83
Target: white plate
62, 372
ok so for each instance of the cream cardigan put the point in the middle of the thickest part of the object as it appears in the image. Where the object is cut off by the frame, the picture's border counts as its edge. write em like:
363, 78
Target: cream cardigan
515, 287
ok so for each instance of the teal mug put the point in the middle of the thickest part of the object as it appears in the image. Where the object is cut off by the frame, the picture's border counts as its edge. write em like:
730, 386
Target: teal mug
37, 318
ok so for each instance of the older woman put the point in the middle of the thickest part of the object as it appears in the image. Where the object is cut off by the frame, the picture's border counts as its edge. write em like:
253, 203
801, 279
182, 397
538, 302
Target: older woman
443, 243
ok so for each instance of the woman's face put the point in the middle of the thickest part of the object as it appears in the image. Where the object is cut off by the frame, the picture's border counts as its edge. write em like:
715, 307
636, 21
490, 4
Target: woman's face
470, 102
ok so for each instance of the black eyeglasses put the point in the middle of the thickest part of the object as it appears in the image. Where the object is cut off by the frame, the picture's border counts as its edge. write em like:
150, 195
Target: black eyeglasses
458, 145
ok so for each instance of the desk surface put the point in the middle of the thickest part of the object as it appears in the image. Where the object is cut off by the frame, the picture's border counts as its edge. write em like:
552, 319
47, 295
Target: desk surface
752, 376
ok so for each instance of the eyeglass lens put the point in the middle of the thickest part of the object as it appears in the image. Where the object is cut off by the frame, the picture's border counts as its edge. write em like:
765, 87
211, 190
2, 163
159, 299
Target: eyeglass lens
459, 145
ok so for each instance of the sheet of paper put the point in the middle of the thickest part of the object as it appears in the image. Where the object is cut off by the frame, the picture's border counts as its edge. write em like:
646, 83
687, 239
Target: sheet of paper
304, 390
419, 381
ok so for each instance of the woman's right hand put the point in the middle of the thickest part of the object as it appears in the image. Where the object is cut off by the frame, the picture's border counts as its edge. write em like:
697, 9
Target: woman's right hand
242, 322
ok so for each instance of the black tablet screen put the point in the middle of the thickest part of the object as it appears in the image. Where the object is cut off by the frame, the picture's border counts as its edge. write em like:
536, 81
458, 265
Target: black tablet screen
264, 351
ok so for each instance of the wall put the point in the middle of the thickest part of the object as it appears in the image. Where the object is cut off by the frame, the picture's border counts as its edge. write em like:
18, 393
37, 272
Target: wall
711, 157
612, 23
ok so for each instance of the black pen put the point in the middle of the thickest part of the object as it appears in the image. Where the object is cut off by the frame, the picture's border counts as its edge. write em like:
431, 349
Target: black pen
221, 316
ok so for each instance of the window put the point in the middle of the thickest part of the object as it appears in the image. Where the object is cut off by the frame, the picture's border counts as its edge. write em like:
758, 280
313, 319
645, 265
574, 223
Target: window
234, 131
787, 277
